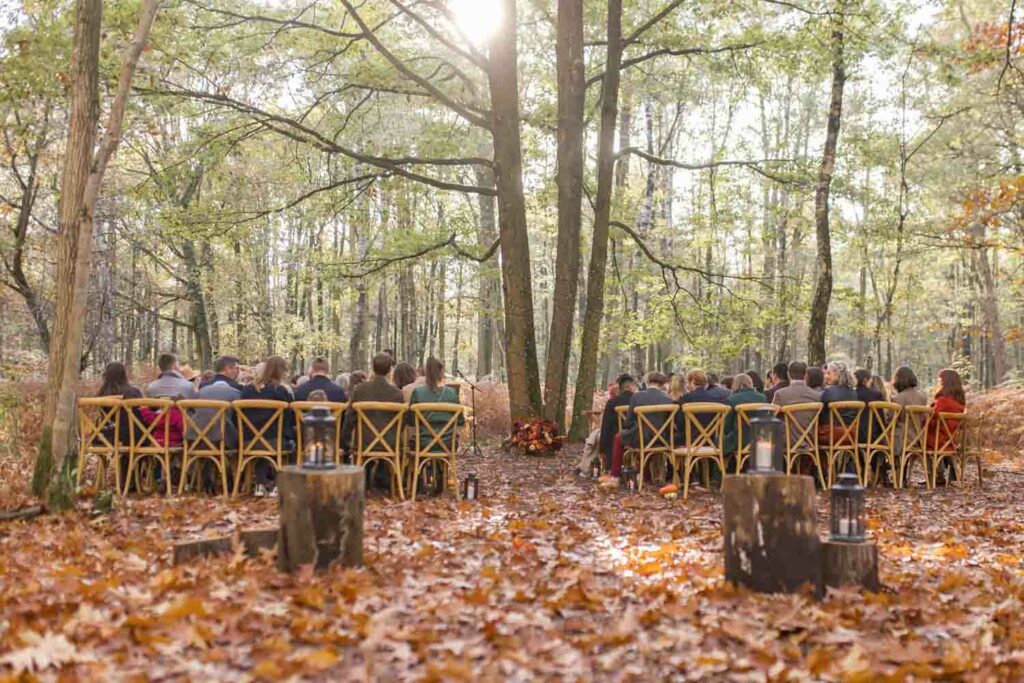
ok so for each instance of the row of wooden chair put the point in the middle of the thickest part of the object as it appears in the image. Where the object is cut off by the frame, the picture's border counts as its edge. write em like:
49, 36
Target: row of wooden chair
405, 455
955, 438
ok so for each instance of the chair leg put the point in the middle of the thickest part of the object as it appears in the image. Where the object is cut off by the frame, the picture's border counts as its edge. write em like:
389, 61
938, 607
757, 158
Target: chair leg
238, 477
81, 466
415, 476
687, 469
640, 473
184, 474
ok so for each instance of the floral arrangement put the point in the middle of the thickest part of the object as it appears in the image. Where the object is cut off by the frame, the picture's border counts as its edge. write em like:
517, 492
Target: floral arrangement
539, 437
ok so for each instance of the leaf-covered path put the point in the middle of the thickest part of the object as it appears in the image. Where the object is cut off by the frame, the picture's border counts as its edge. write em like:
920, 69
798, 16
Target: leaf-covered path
543, 578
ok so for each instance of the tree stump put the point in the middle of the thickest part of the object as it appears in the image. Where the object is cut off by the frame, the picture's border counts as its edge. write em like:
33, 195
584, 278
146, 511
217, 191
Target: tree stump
770, 524
850, 564
321, 517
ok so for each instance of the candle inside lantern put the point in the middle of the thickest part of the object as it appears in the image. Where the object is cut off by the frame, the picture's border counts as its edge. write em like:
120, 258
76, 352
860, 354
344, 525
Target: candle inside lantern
844, 527
763, 454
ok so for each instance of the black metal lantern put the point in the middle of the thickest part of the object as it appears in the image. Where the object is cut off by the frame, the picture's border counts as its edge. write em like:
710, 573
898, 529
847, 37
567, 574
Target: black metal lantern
629, 478
470, 488
318, 429
767, 448
595, 468
846, 510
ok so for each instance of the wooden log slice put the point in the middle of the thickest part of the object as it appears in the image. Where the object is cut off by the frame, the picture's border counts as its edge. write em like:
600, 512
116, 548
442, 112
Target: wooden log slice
850, 564
771, 532
321, 517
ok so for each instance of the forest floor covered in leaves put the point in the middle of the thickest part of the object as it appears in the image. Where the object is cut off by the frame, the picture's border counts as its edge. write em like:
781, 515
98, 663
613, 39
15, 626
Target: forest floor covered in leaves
543, 578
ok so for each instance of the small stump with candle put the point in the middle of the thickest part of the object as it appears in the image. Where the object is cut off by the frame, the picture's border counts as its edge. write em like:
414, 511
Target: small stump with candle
321, 504
848, 558
770, 520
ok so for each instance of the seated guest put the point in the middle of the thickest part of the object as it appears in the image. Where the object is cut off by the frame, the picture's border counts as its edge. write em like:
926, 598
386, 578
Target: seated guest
170, 383
222, 387
757, 381
677, 387
592, 442
342, 381
205, 378
949, 397
403, 375
320, 380
904, 383
867, 393
720, 392
727, 382
115, 383
698, 391
376, 389
433, 390
610, 418
270, 385
654, 395
779, 379
840, 385
742, 393
354, 380
816, 379
879, 384
797, 392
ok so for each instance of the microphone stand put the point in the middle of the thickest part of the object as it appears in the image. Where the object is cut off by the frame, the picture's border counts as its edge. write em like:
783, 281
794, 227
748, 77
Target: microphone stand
472, 388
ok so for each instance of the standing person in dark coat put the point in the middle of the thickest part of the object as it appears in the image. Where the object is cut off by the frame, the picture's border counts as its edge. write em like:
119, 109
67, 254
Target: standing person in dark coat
320, 379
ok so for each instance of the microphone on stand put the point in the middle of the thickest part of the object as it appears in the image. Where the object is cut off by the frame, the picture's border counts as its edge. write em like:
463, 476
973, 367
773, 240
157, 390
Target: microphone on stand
472, 390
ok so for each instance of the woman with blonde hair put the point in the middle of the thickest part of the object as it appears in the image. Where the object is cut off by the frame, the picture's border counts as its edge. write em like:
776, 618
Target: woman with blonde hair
677, 387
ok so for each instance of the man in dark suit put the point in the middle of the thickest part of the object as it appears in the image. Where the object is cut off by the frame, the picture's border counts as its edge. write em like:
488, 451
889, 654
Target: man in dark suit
320, 379
717, 390
698, 391
654, 395
376, 389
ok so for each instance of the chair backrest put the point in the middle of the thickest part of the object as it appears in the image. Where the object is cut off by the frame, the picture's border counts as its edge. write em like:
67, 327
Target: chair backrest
146, 438
656, 426
705, 424
843, 429
300, 408
883, 416
948, 432
386, 440
426, 436
99, 423
743, 413
915, 427
620, 415
800, 422
197, 438
267, 439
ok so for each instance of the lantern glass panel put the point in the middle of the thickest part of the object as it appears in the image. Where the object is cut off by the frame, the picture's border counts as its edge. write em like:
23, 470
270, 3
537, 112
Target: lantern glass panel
318, 438
766, 445
846, 510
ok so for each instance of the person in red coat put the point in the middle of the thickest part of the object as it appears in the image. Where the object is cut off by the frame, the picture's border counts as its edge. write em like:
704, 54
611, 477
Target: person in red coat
949, 398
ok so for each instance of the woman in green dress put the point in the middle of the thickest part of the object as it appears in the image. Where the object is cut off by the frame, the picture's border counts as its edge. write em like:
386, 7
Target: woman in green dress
434, 391
742, 392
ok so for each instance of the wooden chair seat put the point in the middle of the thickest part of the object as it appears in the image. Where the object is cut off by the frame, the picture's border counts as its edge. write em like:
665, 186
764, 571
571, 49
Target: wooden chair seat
430, 445
842, 435
99, 430
800, 425
384, 444
199, 444
704, 429
259, 443
656, 440
149, 441
947, 444
915, 421
880, 441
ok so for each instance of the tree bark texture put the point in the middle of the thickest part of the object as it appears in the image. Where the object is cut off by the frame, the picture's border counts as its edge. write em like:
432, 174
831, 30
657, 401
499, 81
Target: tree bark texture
850, 564
602, 215
771, 532
816, 354
321, 517
521, 352
569, 178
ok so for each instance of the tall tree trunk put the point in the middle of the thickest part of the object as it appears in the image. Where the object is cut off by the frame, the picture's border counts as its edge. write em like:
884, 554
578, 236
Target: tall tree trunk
77, 207
816, 353
521, 354
569, 178
990, 311
602, 215
487, 278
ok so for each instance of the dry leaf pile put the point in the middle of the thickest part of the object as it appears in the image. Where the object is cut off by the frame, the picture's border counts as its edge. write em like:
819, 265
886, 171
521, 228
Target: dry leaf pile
545, 577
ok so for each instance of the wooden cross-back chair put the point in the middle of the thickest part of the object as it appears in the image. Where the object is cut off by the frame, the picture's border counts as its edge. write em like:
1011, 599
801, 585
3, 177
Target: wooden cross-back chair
432, 445
743, 413
970, 444
800, 425
300, 408
703, 442
259, 443
654, 439
947, 444
373, 444
914, 444
621, 413
149, 442
842, 437
198, 442
99, 428
883, 418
